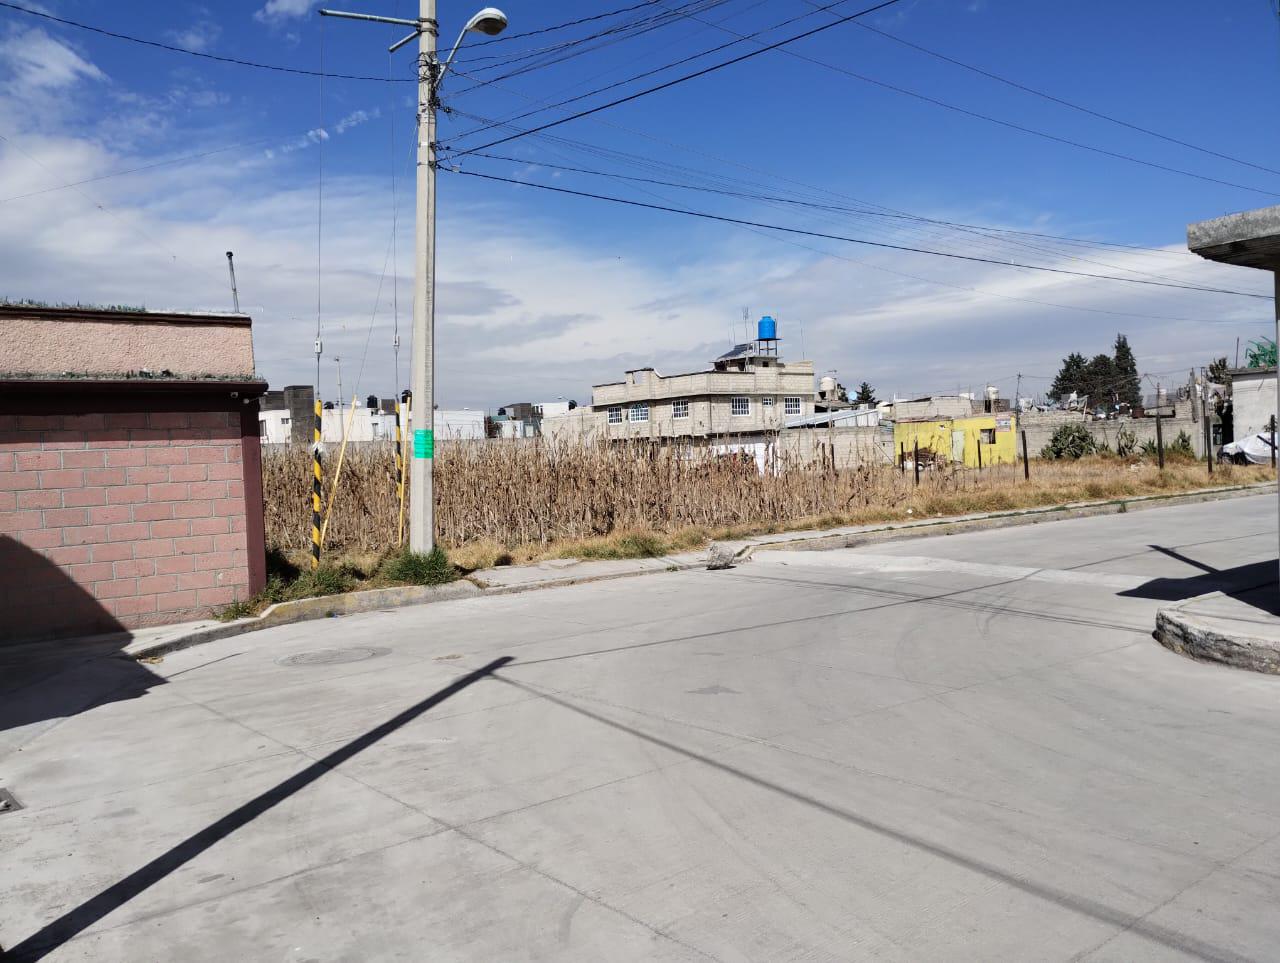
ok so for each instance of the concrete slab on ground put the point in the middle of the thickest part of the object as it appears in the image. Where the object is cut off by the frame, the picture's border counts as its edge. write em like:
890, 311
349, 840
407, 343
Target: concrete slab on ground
964, 747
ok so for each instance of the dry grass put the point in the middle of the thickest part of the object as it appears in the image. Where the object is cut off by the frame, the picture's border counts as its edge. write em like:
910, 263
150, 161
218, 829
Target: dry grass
499, 503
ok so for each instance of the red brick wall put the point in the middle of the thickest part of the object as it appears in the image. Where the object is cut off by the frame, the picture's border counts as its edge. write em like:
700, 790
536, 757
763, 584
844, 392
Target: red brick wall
137, 518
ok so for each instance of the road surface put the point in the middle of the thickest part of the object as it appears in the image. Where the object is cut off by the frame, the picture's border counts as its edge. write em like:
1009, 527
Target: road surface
952, 748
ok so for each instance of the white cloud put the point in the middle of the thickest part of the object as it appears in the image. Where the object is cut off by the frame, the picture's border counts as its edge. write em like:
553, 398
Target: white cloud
37, 63
527, 310
319, 134
277, 11
201, 35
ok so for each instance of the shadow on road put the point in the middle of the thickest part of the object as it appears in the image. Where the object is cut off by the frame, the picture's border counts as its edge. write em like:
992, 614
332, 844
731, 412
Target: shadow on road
1129, 922
1253, 584
77, 920
53, 679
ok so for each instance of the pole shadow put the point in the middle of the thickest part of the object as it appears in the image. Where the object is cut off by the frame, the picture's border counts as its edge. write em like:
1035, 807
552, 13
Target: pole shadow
1253, 583
75, 921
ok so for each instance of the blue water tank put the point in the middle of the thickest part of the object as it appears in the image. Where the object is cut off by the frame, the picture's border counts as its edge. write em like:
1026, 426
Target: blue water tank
767, 330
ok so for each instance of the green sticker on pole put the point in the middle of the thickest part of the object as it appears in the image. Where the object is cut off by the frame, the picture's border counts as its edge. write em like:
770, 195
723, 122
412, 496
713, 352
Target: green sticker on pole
424, 443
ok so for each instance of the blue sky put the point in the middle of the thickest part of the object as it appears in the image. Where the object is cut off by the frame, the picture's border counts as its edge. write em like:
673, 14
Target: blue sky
543, 294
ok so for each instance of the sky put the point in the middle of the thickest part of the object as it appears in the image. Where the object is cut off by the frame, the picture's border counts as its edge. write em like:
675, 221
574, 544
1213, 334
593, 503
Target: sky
541, 294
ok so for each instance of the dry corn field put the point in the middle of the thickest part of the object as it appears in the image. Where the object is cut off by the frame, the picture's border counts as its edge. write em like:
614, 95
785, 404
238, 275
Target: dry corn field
531, 496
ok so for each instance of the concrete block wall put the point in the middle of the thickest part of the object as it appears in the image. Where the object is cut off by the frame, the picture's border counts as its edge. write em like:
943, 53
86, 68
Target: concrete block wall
852, 446
140, 518
1040, 426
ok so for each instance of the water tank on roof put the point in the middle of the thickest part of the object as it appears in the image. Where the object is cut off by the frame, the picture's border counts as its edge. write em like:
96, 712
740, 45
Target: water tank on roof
827, 386
767, 329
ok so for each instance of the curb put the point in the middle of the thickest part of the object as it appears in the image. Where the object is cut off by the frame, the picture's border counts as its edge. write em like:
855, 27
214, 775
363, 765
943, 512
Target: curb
1195, 638
370, 600
898, 531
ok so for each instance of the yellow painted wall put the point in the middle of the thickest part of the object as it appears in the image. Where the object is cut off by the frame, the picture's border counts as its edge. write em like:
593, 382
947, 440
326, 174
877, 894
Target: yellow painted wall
937, 436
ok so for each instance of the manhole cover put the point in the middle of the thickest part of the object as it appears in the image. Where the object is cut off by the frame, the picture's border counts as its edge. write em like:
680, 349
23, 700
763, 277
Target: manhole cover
333, 656
8, 804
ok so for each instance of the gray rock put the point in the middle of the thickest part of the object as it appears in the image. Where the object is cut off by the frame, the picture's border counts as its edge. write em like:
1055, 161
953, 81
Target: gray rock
723, 556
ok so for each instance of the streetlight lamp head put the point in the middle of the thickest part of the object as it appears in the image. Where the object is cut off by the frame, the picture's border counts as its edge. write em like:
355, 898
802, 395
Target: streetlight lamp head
490, 21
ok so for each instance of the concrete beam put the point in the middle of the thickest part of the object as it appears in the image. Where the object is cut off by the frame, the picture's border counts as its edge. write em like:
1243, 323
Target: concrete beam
1248, 239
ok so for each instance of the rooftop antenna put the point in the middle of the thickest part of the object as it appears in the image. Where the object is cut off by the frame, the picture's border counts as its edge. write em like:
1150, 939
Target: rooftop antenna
746, 326
235, 295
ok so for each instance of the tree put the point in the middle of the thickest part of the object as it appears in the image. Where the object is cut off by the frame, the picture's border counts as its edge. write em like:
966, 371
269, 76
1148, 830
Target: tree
1260, 353
1127, 384
866, 395
1070, 377
1218, 372
1100, 380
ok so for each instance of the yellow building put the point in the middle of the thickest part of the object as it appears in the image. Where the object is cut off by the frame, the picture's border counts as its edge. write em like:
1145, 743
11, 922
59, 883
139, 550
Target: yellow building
958, 440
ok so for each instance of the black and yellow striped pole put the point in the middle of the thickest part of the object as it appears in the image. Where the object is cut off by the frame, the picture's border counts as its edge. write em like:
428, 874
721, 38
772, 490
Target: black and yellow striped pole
315, 489
399, 478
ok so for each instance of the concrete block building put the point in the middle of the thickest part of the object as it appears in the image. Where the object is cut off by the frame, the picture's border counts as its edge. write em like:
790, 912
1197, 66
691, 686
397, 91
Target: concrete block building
130, 472
749, 390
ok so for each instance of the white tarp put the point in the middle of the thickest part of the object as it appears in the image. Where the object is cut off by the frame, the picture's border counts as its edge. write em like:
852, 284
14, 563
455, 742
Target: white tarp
1255, 448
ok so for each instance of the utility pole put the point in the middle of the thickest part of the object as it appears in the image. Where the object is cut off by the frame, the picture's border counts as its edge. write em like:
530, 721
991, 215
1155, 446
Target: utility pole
235, 295
422, 358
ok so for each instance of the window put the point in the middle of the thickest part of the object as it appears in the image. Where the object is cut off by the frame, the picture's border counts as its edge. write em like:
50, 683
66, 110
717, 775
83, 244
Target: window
284, 421
680, 408
767, 402
988, 436
640, 411
615, 416
740, 405
793, 406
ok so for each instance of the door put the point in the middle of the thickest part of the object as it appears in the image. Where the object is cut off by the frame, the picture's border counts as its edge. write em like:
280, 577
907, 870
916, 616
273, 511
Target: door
957, 445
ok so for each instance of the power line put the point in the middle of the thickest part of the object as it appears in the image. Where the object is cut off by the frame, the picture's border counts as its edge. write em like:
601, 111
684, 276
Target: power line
823, 192
562, 26
837, 209
1059, 100
947, 284
648, 73
560, 53
638, 24
174, 48
692, 76
995, 120
854, 240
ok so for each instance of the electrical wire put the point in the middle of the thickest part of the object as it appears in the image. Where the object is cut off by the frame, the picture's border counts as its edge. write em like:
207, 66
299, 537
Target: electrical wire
174, 48
654, 70
967, 228
569, 50
947, 284
823, 193
996, 120
854, 240
1059, 100
691, 76
561, 26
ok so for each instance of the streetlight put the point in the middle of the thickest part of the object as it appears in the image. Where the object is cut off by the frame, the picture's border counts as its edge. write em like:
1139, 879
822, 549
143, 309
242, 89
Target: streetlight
491, 22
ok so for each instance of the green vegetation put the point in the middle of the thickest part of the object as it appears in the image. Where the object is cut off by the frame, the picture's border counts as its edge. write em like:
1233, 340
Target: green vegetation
1070, 441
1106, 379
418, 568
287, 582
1180, 447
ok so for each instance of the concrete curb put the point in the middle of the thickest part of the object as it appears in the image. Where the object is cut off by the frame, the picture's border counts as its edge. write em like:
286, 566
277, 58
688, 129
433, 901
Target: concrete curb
1195, 638
898, 531
371, 600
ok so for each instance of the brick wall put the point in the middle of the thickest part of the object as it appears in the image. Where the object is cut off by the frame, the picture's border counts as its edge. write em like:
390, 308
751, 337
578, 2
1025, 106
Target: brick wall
139, 518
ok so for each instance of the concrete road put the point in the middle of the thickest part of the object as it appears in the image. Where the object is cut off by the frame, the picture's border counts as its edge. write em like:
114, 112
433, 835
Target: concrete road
956, 748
